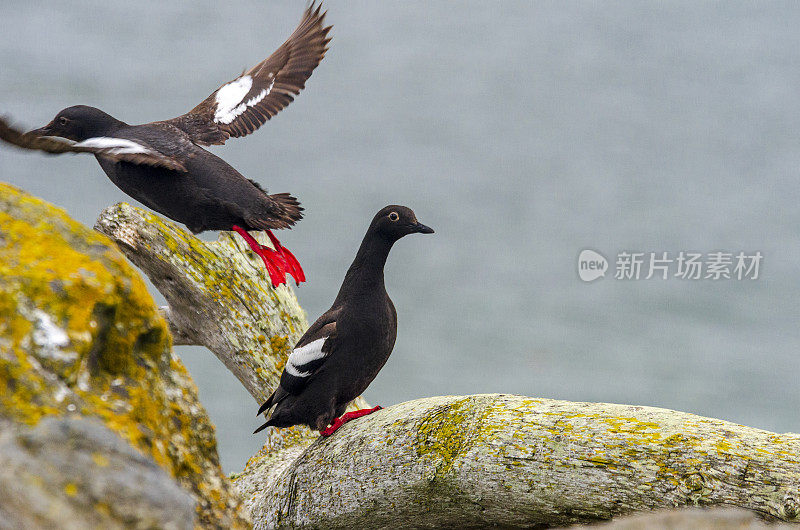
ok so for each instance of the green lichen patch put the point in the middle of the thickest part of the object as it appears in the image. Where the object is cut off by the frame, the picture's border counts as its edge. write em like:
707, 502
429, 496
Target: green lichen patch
79, 334
449, 432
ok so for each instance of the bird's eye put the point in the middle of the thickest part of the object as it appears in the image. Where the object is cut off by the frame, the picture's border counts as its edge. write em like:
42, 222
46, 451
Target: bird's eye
63, 121
394, 216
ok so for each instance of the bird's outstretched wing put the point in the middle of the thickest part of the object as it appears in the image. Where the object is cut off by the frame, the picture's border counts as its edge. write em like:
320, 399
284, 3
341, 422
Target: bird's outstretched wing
117, 149
306, 359
243, 105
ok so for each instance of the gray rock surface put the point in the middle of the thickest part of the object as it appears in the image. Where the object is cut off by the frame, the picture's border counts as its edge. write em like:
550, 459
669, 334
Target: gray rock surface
75, 473
691, 518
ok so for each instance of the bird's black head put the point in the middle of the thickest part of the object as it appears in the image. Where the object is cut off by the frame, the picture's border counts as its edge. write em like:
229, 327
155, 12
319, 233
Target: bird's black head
78, 123
394, 222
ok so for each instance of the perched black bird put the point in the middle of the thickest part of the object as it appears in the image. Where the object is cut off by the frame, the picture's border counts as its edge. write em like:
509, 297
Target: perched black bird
162, 165
342, 352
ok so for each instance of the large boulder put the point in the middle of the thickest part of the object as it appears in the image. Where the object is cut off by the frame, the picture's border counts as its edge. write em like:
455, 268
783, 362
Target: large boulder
80, 336
75, 473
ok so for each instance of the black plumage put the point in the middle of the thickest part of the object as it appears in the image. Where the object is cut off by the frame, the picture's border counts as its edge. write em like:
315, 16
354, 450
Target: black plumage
342, 352
163, 165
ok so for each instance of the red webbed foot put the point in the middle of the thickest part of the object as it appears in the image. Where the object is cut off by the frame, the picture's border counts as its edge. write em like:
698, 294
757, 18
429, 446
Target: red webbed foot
292, 265
275, 261
344, 418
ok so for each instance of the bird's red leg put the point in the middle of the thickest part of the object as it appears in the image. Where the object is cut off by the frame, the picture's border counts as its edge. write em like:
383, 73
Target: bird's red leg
273, 259
338, 422
292, 265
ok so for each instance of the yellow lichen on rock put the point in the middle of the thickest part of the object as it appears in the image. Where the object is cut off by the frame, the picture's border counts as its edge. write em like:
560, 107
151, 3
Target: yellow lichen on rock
80, 334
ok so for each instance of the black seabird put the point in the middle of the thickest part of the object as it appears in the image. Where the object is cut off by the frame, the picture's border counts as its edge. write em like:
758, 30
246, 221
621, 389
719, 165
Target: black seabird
342, 352
162, 165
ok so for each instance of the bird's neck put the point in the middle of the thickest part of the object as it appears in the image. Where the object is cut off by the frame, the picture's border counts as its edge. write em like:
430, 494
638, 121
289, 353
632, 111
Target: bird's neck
365, 275
105, 127
100, 124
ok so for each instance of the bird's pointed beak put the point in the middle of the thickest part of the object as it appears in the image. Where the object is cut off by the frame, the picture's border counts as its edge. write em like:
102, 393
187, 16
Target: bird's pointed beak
42, 131
422, 229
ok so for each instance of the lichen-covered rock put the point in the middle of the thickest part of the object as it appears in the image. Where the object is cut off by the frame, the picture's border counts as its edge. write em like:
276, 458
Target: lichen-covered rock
498, 460
80, 335
75, 473
218, 294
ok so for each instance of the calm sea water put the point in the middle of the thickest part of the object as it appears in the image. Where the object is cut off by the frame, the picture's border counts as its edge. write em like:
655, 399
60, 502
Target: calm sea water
523, 132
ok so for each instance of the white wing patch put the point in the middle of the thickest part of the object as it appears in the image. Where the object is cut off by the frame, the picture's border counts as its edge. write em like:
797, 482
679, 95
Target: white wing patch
255, 99
304, 355
230, 99
116, 146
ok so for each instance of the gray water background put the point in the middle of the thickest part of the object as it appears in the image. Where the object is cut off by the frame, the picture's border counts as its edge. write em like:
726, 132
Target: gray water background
523, 132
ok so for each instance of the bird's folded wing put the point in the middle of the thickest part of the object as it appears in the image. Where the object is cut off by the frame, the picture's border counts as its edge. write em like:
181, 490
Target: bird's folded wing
117, 149
308, 357
243, 105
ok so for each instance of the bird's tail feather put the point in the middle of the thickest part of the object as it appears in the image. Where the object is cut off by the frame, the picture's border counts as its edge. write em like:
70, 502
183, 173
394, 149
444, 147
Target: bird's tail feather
266, 405
276, 397
267, 424
263, 408
283, 210
290, 206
